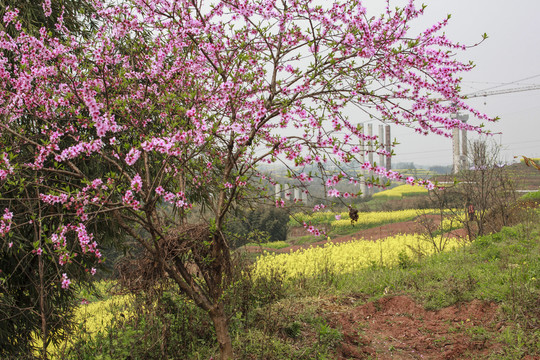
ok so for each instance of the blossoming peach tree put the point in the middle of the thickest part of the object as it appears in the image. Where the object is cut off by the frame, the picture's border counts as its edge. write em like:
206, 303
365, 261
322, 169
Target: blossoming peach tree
172, 105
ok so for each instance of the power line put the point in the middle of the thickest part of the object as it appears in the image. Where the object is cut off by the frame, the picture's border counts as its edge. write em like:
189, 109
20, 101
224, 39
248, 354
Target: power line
446, 150
522, 142
506, 84
502, 91
494, 82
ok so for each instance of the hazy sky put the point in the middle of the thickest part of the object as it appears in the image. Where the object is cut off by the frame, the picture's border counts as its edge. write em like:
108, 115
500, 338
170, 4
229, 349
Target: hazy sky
511, 53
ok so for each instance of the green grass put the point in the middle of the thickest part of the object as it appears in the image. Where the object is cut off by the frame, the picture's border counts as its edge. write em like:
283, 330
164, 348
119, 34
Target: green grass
502, 268
306, 240
532, 196
272, 245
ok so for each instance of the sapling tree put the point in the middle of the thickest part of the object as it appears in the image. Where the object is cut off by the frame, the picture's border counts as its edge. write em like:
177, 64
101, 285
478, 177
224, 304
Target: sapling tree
170, 106
445, 213
482, 200
34, 304
487, 189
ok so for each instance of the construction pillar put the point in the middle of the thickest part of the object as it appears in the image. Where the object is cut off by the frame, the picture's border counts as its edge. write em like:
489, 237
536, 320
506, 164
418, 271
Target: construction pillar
388, 147
381, 145
455, 150
381, 155
287, 192
363, 187
370, 143
464, 145
370, 152
459, 152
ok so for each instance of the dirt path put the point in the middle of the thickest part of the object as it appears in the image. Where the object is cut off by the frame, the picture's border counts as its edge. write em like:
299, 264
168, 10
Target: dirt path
380, 232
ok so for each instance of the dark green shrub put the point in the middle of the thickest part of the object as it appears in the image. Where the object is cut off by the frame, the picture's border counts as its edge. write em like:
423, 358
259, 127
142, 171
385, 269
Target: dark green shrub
404, 261
266, 224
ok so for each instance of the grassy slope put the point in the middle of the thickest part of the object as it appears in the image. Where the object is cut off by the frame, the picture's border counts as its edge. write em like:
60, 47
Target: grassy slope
503, 268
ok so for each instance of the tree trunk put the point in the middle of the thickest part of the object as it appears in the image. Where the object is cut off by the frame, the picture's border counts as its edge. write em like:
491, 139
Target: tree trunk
42, 295
221, 324
43, 309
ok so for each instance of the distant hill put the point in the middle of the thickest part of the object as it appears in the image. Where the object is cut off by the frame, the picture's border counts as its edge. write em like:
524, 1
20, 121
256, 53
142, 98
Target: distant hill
526, 178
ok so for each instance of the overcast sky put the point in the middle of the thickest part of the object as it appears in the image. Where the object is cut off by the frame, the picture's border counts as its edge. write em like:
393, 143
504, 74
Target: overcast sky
510, 54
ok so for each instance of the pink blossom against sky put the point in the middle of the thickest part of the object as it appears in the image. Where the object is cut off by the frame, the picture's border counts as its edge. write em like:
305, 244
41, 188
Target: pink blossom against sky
511, 53
241, 111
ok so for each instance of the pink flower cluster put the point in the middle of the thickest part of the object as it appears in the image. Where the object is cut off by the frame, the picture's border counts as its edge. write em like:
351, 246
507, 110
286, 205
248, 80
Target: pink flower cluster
136, 183
132, 156
10, 16
86, 148
65, 281
129, 199
333, 193
59, 238
54, 199
319, 207
303, 177
5, 222
86, 240
313, 230
178, 199
5, 167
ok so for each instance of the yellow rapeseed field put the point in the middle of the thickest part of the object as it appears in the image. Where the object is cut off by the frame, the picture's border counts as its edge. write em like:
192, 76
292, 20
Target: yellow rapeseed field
343, 258
400, 191
97, 316
371, 219
93, 317
341, 220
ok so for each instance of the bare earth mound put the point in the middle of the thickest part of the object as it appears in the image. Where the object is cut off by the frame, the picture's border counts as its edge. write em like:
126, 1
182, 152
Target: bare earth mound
399, 328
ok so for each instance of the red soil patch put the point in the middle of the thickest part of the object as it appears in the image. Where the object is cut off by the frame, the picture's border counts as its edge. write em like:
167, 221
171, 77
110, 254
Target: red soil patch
399, 328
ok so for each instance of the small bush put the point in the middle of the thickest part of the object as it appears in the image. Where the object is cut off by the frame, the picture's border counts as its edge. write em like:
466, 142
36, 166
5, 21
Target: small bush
404, 261
532, 196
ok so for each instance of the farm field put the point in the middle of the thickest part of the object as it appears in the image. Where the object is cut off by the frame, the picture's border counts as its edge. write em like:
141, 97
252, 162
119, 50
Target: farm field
401, 191
338, 227
339, 223
343, 258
